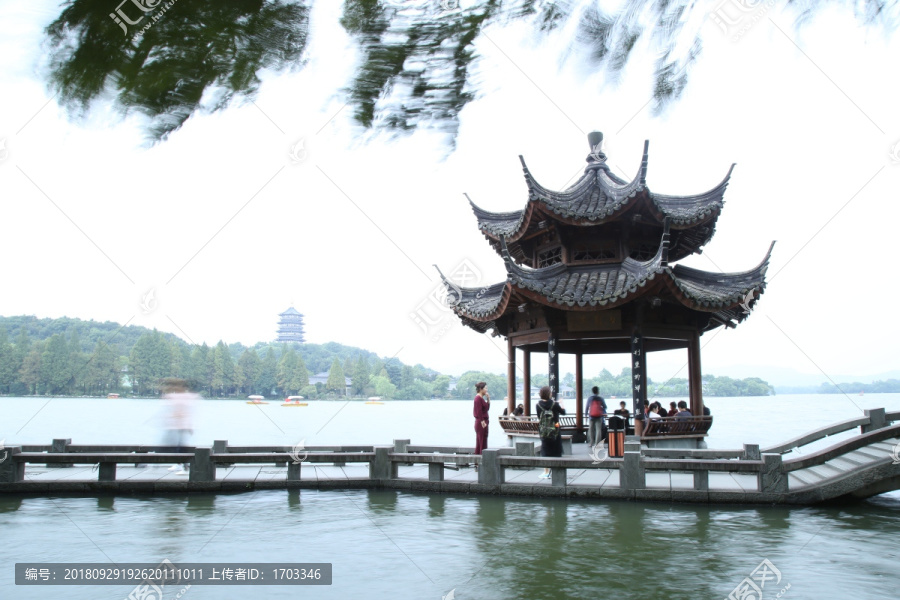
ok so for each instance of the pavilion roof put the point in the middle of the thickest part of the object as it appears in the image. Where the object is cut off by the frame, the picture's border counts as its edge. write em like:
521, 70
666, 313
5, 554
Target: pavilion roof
599, 196
597, 287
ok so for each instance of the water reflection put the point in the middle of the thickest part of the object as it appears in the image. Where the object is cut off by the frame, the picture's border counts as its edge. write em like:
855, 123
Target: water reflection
106, 503
437, 505
201, 503
293, 498
382, 501
10, 504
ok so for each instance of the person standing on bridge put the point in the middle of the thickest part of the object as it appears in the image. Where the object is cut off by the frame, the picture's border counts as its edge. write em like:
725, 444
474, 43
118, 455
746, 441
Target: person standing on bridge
596, 410
480, 412
551, 442
179, 417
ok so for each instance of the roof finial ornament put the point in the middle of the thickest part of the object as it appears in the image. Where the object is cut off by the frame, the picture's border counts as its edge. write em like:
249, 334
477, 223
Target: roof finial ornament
595, 141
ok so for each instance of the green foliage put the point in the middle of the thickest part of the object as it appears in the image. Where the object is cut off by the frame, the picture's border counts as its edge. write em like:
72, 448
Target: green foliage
383, 386
9, 361
291, 374
150, 361
194, 56
70, 356
465, 385
440, 386
876, 387
202, 55
56, 369
336, 381
361, 376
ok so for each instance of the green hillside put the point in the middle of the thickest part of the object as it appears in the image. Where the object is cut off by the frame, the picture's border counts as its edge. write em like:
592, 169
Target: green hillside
76, 357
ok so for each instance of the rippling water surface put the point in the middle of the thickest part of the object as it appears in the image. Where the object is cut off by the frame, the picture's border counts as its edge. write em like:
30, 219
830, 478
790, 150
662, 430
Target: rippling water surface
401, 545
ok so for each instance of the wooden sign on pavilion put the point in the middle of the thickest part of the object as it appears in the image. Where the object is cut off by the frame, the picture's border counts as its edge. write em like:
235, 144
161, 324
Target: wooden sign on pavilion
590, 271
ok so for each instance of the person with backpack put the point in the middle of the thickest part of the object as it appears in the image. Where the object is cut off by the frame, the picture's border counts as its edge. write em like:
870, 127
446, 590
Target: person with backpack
548, 411
596, 411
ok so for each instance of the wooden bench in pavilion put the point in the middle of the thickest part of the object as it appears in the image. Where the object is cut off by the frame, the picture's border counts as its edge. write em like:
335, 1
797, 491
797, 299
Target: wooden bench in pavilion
677, 427
690, 429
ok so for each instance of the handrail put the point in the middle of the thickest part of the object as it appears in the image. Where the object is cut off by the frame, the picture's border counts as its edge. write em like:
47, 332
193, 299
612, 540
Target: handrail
841, 448
179, 457
442, 449
816, 435
690, 453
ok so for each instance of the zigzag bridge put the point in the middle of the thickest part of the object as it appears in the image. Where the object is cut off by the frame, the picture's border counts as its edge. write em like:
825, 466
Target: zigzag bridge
864, 465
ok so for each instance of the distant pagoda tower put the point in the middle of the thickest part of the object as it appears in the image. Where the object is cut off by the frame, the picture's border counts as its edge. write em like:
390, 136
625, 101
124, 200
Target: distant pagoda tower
290, 326
590, 271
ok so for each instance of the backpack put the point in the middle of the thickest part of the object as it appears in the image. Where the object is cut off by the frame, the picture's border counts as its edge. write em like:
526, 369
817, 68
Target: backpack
596, 407
546, 427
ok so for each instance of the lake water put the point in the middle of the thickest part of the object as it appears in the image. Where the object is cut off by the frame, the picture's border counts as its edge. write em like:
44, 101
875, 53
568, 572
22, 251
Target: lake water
417, 546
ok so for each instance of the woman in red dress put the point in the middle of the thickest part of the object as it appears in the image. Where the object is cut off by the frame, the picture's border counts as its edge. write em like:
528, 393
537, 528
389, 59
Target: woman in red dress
480, 412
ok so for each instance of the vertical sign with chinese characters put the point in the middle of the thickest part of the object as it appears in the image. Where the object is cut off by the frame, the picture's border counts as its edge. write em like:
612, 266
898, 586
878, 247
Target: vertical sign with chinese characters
553, 365
638, 375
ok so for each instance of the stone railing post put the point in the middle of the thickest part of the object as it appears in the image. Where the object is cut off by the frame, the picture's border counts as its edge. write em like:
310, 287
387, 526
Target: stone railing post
490, 472
400, 446
525, 449
293, 473
58, 446
631, 473
558, 476
772, 479
382, 468
221, 447
751, 452
202, 466
435, 471
701, 480
11, 471
876, 420
107, 471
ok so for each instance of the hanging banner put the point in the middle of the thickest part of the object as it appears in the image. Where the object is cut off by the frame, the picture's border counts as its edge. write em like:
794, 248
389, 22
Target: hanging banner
553, 364
638, 376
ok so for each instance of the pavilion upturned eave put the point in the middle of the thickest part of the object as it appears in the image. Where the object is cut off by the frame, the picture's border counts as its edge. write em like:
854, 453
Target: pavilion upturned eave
724, 296
587, 204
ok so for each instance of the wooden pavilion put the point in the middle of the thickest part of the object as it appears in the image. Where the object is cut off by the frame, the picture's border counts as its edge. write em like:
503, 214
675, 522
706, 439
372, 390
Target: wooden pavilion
590, 271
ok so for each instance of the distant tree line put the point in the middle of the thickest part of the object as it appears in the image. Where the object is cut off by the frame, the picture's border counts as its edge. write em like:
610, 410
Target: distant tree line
876, 387
74, 357
619, 386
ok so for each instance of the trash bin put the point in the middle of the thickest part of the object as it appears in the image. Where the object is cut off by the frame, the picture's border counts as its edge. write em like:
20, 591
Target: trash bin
616, 437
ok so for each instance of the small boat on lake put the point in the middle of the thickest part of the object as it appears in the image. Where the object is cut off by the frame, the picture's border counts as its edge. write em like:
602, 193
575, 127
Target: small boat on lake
374, 400
112, 396
294, 401
256, 399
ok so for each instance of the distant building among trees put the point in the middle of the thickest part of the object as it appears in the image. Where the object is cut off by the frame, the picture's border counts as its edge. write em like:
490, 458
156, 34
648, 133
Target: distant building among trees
290, 326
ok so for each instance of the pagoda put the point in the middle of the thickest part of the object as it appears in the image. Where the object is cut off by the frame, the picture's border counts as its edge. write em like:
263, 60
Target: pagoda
290, 326
590, 271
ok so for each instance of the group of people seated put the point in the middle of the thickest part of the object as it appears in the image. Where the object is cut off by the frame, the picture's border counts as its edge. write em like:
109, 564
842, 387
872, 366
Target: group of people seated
656, 410
518, 411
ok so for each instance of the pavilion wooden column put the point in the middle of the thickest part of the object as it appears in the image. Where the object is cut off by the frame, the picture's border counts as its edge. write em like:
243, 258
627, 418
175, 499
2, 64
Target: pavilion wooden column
510, 376
695, 375
579, 394
553, 366
526, 373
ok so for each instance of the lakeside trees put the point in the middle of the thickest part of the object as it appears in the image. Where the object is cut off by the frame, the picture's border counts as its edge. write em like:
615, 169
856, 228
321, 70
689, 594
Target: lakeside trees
75, 357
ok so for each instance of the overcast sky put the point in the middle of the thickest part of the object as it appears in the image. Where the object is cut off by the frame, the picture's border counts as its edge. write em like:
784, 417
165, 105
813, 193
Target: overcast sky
226, 229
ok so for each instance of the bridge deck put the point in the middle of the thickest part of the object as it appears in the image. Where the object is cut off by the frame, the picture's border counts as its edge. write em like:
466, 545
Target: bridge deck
860, 466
